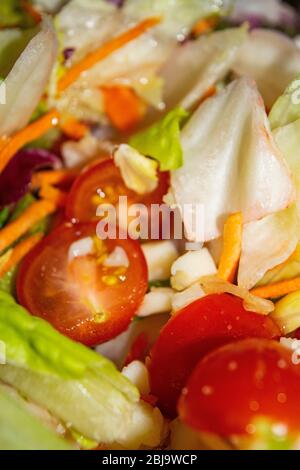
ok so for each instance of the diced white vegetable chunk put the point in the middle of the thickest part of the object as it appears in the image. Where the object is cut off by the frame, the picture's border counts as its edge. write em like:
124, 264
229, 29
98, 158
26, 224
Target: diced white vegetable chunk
187, 296
159, 256
159, 300
190, 267
137, 373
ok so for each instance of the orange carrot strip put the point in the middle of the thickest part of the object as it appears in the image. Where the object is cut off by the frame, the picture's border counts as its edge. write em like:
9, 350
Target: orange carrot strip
205, 25
104, 51
123, 107
54, 195
73, 128
232, 247
279, 289
29, 8
11, 232
52, 177
19, 252
13, 144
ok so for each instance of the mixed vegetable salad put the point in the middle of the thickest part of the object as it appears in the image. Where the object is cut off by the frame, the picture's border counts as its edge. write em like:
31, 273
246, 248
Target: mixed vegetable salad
116, 333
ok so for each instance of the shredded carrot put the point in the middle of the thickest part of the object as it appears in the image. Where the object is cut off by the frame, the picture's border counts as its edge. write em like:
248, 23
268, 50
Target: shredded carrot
73, 128
123, 107
52, 177
19, 252
232, 246
278, 289
29, 8
14, 230
104, 51
54, 195
205, 25
33, 131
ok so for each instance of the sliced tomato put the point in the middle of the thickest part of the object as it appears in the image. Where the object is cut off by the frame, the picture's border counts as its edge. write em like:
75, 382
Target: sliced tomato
81, 297
102, 183
239, 384
200, 327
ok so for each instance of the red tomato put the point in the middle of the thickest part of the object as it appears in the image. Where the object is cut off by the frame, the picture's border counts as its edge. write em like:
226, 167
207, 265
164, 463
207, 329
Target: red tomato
82, 298
197, 329
237, 384
102, 183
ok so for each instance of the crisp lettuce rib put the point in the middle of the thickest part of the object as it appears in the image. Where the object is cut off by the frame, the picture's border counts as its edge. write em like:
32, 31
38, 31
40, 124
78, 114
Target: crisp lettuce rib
20, 430
74, 383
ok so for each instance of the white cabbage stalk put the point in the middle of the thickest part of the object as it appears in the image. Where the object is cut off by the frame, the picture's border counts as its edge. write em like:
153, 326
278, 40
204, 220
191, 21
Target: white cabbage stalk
197, 65
215, 285
231, 163
138, 172
266, 244
27, 80
271, 241
271, 59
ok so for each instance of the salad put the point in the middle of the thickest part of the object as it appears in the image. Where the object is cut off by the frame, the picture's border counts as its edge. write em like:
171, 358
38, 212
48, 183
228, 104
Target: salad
149, 225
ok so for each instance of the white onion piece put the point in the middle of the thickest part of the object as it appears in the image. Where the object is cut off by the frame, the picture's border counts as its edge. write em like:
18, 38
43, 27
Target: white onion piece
271, 59
158, 300
215, 285
231, 163
188, 269
138, 374
159, 256
26, 82
187, 296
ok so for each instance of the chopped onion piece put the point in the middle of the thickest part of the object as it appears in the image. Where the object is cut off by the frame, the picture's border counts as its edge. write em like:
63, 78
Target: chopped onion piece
190, 267
158, 300
159, 256
187, 296
214, 285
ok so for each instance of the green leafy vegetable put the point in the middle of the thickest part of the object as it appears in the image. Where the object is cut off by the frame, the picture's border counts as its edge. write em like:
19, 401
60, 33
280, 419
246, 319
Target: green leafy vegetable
286, 109
4, 215
162, 140
74, 383
12, 14
7, 282
20, 430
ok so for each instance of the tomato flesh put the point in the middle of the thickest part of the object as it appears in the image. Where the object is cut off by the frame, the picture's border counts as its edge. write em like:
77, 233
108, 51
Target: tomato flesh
240, 383
83, 299
197, 329
102, 183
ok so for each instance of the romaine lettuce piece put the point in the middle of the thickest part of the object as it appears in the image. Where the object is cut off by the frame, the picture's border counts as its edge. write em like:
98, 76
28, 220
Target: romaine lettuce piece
20, 430
162, 140
286, 109
231, 162
72, 382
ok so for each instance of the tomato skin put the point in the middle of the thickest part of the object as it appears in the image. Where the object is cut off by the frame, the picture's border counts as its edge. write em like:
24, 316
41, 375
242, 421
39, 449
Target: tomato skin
239, 383
79, 206
48, 289
193, 332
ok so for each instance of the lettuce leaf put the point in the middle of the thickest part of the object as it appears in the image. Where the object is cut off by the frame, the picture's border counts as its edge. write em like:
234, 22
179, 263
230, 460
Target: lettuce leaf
231, 162
286, 109
74, 383
20, 430
162, 140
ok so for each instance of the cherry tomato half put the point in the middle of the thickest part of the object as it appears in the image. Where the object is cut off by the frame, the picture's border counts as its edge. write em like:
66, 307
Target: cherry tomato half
197, 329
240, 383
102, 183
81, 297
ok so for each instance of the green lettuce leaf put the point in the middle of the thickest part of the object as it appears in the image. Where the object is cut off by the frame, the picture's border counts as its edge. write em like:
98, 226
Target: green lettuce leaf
20, 430
162, 140
286, 109
74, 383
